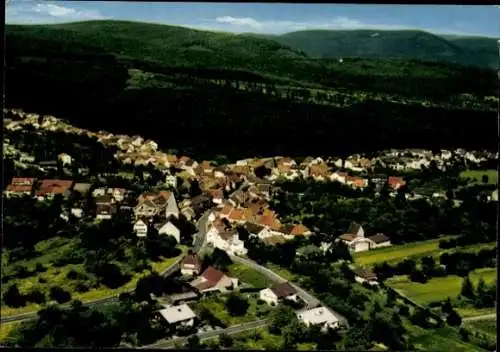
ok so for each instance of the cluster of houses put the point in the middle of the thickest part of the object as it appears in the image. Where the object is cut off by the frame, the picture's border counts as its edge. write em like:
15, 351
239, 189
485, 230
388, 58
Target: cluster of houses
178, 313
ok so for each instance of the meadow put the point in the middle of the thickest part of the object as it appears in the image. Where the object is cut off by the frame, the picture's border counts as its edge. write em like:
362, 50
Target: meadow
476, 176
438, 289
249, 275
487, 326
413, 251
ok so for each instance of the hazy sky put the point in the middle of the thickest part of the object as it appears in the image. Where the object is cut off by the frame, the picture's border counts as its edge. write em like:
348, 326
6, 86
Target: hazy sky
267, 18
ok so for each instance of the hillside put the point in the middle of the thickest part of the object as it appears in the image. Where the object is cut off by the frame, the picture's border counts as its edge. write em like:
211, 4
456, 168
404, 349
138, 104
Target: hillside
403, 44
218, 93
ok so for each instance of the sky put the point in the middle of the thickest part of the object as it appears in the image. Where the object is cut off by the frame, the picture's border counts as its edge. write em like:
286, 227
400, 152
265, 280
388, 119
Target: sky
277, 18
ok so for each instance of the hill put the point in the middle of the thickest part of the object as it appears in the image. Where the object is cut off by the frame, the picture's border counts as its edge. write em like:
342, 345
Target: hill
403, 44
218, 93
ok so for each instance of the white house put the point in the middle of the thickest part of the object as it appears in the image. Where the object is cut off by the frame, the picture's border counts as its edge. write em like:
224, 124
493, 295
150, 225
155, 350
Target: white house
190, 265
171, 230
362, 275
172, 208
355, 239
278, 292
98, 192
319, 316
379, 240
140, 228
228, 241
65, 159
171, 180
179, 315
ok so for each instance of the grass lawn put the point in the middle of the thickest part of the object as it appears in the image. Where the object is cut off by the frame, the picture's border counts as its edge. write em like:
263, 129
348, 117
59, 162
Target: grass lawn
6, 328
487, 326
438, 289
249, 275
441, 339
284, 273
57, 277
216, 305
260, 339
477, 175
400, 252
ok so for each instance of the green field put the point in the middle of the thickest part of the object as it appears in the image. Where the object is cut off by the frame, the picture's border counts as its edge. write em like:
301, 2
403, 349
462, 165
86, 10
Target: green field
249, 275
398, 253
438, 289
477, 176
216, 305
441, 339
6, 328
487, 326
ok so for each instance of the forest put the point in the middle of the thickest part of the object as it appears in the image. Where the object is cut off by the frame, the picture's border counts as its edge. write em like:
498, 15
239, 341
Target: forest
236, 104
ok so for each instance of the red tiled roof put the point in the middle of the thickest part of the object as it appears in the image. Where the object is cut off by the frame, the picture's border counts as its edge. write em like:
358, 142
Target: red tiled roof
213, 275
191, 259
19, 188
54, 187
237, 214
18, 181
226, 210
299, 230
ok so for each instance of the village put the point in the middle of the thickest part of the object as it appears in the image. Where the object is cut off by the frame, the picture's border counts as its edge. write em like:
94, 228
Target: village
233, 197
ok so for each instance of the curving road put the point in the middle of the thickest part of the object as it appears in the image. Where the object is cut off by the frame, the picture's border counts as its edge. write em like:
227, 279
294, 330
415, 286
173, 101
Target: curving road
310, 300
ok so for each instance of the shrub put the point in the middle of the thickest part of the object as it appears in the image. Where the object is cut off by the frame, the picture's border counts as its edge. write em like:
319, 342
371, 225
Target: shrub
40, 268
82, 287
14, 298
59, 295
42, 280
36, 296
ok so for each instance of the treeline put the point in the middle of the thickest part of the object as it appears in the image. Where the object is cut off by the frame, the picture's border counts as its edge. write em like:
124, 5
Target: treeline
212, 119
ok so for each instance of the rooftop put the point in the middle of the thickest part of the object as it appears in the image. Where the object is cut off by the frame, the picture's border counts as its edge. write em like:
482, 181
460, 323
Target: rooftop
177, 314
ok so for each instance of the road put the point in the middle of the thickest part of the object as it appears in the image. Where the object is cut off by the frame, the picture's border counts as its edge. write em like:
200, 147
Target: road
200, 237
310, 300
206, 335
480, 317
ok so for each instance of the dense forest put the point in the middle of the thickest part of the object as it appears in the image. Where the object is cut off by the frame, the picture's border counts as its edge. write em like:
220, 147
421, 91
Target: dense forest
207, 94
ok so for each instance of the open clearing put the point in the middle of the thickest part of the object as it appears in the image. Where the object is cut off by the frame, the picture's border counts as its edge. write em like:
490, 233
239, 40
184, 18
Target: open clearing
6, 328
398, 253
249, 275
438, 289
477, 176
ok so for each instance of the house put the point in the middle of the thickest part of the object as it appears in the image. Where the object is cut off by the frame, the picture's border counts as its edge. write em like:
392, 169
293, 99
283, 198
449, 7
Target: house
118, 194
355, 239
48, 165
105, 211
362, 275
190, 265
171, 230
49, 188
291, 231
213, 280
339, 176
217, 196
278, 292
82, 188
229, 241
320, 316
379, 240
273, 240
98, 192
65, 159
255, 229
171, 180
396, 182
104, 200
188, 213
141, 228
20, 186
180, 315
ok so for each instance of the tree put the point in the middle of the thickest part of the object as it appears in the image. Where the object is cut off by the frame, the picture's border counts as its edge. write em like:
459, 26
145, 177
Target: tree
36, 296
467, 288
193, 343
236, 304
13, 297
59, 295
453, 318
447, 306
281, 317
225, 340
485, 178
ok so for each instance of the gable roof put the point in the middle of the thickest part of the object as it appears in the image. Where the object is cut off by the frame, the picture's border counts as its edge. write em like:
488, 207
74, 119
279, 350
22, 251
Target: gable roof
253, 228
175, 314
365, 273
353, 228
379, 238
212, 275
274, 240
191, 259
283, 289
54, 187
